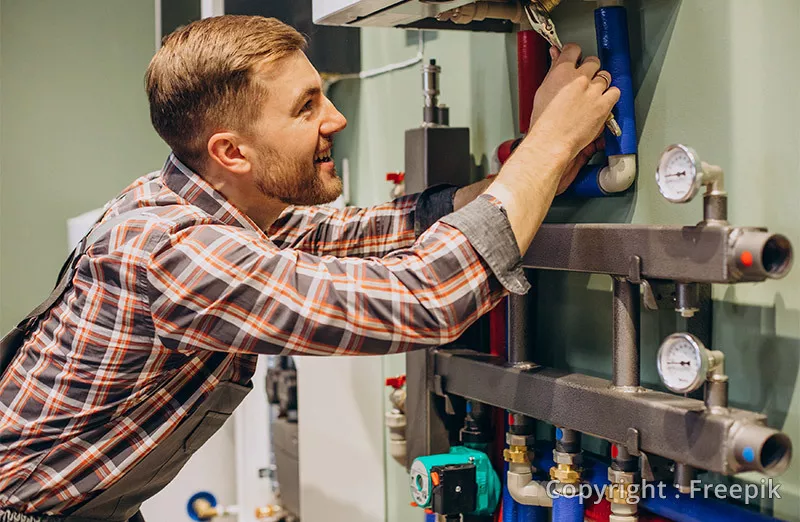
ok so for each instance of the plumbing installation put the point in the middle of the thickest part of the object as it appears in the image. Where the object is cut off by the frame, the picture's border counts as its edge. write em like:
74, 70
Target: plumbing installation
473, 410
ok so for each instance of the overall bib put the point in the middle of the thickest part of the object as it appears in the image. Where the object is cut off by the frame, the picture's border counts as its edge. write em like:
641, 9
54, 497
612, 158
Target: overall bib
121, 501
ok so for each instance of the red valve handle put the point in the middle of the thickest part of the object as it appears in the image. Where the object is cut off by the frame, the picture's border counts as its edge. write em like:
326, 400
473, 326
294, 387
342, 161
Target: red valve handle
396, 382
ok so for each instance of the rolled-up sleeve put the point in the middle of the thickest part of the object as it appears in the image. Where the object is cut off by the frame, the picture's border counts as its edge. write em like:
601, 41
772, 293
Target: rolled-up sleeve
486, 225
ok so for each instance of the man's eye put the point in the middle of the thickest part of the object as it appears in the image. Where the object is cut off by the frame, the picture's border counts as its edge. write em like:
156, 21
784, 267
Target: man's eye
308, 106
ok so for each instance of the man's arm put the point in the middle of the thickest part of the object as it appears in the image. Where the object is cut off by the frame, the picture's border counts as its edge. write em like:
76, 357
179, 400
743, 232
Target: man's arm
370, 231
570, 110
221, 288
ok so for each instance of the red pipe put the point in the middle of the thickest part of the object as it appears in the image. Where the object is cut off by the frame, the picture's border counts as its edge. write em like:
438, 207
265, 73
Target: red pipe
532, 54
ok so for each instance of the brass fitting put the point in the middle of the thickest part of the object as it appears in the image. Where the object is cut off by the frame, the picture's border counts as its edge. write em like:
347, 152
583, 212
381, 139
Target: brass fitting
548, 5
620, 492
565, 474
204, 510
516, 454
267, 512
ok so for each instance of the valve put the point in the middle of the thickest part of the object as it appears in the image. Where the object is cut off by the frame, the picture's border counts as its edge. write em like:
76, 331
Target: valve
398, 183
396, 419
396, 382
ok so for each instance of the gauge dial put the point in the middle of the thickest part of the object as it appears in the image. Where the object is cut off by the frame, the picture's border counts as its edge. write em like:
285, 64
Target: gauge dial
679, 174
682, 362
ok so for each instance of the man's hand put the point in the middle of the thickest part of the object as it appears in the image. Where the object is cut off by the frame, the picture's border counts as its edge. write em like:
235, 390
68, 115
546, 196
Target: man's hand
578, 162
570, 110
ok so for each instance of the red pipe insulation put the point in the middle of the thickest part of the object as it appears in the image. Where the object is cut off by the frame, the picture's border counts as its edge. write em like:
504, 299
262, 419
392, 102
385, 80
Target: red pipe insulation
532, 54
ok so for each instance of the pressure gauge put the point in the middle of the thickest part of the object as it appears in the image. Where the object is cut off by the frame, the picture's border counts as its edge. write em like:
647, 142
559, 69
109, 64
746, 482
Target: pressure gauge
680, 174
683, 362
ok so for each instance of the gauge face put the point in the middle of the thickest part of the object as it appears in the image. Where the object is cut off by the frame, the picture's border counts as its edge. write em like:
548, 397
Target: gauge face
682, 363
678, 174
419, 484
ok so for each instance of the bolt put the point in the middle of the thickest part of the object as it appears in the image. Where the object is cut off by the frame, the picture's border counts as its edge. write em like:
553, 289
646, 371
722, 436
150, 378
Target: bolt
458, 489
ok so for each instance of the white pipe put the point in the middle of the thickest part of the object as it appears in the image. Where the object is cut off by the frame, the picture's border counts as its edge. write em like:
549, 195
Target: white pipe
524, 489
209, 8
619, 175
479, 11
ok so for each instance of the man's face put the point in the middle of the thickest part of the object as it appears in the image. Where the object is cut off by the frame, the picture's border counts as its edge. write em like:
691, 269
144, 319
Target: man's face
294, 135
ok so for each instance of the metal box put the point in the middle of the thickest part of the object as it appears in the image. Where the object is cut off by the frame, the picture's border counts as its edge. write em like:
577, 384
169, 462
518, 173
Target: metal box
393, 13
436, 155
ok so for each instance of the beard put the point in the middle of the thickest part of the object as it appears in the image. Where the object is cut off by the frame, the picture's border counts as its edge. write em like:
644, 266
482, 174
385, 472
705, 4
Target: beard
295, 182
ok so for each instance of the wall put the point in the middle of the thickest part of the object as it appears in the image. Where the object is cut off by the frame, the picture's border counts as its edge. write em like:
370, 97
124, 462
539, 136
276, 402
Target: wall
719, 75
75, 131
75, 128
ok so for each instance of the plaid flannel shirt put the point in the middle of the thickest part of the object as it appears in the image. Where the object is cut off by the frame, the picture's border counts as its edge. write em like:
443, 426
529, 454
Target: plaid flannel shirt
194, 289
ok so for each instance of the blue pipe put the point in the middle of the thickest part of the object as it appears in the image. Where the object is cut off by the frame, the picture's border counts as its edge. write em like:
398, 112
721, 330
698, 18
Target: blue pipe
587, 183
567, 509
673, 505
531, 513
613, 48
510, 506
683, 508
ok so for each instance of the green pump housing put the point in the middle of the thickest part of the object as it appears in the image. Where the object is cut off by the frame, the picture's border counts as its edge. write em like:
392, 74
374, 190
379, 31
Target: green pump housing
487, 480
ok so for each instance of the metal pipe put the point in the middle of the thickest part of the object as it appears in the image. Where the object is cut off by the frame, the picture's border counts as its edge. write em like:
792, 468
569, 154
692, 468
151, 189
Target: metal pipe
760, 448
626, 311
687, 299
706, 440
677, 253
683, 477
758, 255
430, 88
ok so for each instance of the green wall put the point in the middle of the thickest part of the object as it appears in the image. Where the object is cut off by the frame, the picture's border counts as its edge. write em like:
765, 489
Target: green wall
75, 128
720, 75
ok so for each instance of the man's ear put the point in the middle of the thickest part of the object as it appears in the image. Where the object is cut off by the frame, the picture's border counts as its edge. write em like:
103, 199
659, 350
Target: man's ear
225, 150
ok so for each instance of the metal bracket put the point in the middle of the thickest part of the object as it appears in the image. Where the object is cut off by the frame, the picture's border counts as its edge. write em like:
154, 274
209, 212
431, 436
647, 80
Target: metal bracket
635, 277
632, 442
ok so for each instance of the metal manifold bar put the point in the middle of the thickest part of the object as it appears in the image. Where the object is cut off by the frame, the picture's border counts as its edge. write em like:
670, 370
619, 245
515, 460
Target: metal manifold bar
701, 253
661, 424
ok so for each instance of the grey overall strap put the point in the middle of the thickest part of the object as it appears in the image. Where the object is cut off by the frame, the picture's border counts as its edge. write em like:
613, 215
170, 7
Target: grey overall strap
12, 341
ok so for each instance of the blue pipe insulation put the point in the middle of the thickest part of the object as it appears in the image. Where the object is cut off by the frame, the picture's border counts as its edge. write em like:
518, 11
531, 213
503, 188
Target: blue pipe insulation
510, 506
613, 48
587, 183
671, 505
531, 513
430, 517
684, 508
567, 509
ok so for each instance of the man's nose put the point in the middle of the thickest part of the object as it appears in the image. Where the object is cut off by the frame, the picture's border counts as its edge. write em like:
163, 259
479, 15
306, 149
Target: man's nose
334, 120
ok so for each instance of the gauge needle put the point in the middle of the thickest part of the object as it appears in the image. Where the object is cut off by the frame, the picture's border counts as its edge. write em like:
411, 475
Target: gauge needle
677, 174
543, 24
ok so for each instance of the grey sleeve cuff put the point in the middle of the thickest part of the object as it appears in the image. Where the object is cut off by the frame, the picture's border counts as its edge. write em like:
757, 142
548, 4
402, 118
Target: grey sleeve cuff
486, 225
433, 204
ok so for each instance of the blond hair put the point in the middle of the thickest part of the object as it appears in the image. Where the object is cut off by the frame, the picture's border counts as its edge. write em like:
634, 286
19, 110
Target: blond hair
202, 78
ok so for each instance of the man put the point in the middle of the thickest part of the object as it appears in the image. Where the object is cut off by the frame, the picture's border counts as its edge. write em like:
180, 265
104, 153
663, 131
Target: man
152, 337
